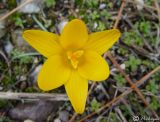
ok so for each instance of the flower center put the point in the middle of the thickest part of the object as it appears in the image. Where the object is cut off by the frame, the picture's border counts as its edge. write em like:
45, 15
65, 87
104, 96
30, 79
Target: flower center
74, 57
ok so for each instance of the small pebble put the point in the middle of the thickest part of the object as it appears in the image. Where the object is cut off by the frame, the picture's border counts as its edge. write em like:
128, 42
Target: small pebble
140, 4
57, 120
8, 47
64, 116
28, 120
102, 6
95, 25
32, 7
123, 66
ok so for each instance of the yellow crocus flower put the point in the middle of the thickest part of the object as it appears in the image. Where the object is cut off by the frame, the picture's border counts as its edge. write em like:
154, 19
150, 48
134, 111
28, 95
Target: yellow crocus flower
73, 58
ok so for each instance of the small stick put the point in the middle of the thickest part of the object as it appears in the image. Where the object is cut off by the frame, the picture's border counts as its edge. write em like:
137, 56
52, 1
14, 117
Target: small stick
119, 13
73, 117
33, 96
14, 10
91, 88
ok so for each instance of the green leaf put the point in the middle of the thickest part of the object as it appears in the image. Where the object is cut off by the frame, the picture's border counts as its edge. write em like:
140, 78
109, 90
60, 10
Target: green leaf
155, 104
133, 62
23, 60
92, 3
95, 105
120, 80
95, 15
50, 3
132, 38
152, 86
101, 26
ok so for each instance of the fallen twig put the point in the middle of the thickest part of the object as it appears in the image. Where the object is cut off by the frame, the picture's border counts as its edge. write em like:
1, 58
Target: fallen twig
33, 96
119, 14
14, 10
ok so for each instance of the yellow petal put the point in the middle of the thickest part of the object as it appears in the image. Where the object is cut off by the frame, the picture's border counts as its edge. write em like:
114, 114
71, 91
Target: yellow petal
74, 35
44, 42
102, 41
54, 73
77, 89
93, 66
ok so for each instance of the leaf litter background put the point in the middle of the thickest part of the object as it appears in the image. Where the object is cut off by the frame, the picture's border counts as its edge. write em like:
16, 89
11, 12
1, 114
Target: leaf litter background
133, 86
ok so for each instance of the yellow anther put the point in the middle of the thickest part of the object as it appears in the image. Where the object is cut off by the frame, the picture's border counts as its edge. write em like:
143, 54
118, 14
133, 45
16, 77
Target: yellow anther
78, 53
74, 63
74, 56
